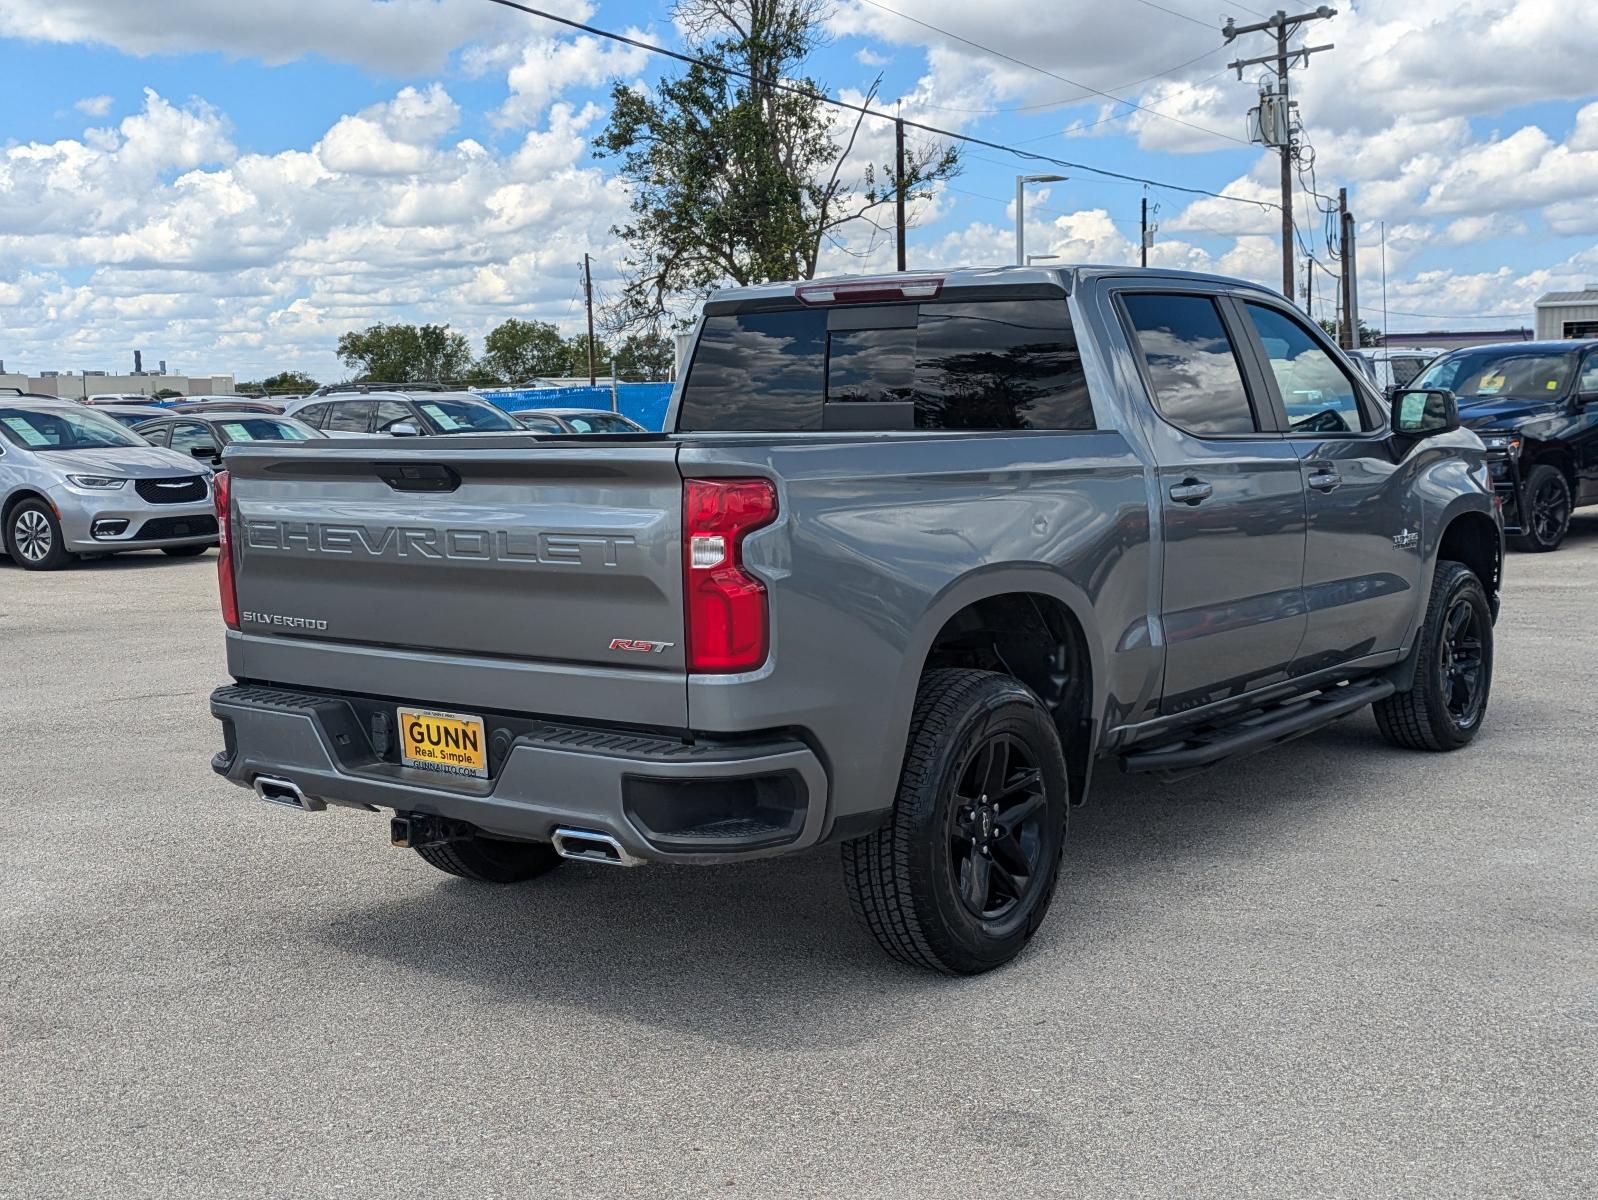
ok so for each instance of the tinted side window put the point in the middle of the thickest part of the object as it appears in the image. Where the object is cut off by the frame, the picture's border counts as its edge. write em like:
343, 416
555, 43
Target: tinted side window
757, 371
312, 414
999, 364
349, 416
158, 435
1588, 386
1317, 393
392, 412
1405, 370
1198, 384
191, 436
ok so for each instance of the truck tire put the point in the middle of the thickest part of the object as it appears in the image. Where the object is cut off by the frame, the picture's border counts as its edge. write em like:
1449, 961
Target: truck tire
962, 873
490, 860
1544, 510
1445, 706
33, 537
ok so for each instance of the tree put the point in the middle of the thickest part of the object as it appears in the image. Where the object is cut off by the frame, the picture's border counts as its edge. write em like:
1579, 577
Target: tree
577, 356
281, 383
517, 351
1367, 335
406, 353
733, 178
166, 394
645, 356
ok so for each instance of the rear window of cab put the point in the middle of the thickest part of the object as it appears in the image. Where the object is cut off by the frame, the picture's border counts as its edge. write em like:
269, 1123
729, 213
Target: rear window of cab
958, 365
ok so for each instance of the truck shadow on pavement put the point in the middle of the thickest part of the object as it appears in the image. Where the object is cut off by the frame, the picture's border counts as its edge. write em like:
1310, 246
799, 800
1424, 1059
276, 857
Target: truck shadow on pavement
768, 954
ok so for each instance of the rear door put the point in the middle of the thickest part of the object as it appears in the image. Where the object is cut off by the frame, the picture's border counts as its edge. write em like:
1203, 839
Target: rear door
1232, 499
1362, 554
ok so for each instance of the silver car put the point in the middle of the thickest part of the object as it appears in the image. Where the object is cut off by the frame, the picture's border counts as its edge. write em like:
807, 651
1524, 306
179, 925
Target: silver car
75, 482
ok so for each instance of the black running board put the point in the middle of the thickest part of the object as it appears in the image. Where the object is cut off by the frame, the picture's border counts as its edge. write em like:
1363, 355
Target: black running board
1261, 730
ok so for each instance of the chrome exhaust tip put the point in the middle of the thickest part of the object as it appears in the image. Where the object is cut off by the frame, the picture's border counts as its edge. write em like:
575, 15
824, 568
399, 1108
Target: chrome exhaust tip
587, 846
286, 793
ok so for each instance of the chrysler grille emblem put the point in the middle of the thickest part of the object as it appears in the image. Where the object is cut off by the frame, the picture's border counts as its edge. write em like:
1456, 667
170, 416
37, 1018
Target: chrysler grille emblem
179, 483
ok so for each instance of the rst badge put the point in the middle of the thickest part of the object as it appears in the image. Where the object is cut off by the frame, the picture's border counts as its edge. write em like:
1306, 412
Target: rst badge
640, 645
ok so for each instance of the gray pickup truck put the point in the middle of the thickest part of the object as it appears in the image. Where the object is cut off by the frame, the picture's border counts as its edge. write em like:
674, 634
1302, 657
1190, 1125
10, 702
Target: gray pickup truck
915, 554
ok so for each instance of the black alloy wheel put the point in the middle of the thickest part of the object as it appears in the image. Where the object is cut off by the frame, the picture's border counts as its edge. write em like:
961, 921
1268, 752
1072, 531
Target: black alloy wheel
1545, 509
1446, 705
962, 873
996, 838
1461, 665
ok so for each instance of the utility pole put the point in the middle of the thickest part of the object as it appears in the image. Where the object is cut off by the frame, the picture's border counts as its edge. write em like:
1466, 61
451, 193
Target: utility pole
898, 202
1144, 240
1346, 231
1274, 123
588, 291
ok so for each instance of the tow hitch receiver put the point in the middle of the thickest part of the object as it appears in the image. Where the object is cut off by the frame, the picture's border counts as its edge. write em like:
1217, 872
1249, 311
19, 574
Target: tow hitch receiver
411, 831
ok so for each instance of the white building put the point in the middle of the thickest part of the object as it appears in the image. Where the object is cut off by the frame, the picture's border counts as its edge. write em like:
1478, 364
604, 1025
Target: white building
147, 383
1568, 314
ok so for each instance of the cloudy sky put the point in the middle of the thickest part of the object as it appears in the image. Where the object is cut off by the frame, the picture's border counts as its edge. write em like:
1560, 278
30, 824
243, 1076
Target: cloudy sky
231, 186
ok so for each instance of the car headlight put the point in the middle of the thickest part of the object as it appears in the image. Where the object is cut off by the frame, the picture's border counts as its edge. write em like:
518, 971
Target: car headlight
96, 483
1502, 443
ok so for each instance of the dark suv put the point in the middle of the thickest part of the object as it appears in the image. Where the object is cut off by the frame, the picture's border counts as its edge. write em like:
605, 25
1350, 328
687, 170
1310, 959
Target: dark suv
402, 411
1535, 405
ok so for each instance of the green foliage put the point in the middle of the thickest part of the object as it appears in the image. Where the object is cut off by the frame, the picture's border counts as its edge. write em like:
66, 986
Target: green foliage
283, 383
577, 357
406, 353
732, 179
645, 356
1368, 336
166, 394
519, 351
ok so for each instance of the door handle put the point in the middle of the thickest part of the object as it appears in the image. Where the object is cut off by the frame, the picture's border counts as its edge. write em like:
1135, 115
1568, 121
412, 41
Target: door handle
1324, 480
1191, 491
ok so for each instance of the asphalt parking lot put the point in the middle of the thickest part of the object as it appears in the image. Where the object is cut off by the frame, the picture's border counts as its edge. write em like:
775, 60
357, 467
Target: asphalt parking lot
1338, 969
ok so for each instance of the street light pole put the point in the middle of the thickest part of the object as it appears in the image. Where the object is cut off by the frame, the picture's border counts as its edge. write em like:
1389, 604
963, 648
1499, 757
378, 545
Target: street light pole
1020, 210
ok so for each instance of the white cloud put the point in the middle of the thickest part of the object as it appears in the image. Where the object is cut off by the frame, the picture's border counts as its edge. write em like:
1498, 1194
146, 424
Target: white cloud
403, 37
94, 106
253, 262
394, 138
549, 67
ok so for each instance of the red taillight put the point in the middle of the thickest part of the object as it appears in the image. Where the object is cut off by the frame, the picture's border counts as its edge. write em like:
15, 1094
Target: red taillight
724, 605
221, 491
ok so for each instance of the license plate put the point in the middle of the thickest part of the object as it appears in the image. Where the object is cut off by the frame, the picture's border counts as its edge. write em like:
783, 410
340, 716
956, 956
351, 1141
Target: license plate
449, 743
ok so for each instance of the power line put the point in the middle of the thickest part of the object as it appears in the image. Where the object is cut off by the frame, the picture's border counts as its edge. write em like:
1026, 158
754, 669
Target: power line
1064, 100
1196, 20
823, 98
1021, 62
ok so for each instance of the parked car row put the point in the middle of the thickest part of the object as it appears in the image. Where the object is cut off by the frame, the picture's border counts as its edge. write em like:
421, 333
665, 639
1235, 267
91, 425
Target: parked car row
86, 480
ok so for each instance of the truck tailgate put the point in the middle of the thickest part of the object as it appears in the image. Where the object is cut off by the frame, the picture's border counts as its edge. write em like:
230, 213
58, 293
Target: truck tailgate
512, 551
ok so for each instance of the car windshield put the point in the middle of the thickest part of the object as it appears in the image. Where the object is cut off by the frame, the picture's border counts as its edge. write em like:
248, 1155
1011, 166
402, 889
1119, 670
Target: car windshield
600, 423
1488, 373
465, 416
64, 429
264, 429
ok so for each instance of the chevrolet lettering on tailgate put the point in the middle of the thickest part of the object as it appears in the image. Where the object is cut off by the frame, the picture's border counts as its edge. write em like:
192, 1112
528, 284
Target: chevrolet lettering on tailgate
452, 544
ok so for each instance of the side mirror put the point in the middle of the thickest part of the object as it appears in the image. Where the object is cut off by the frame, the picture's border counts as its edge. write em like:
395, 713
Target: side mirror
1424, 412
209, 453
403, 429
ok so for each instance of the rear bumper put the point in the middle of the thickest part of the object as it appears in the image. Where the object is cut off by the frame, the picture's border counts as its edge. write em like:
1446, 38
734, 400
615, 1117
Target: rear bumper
660, 798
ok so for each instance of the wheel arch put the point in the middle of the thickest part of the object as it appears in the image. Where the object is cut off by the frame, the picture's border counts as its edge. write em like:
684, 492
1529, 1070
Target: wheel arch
1031, 624
1473, 538
9, 504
